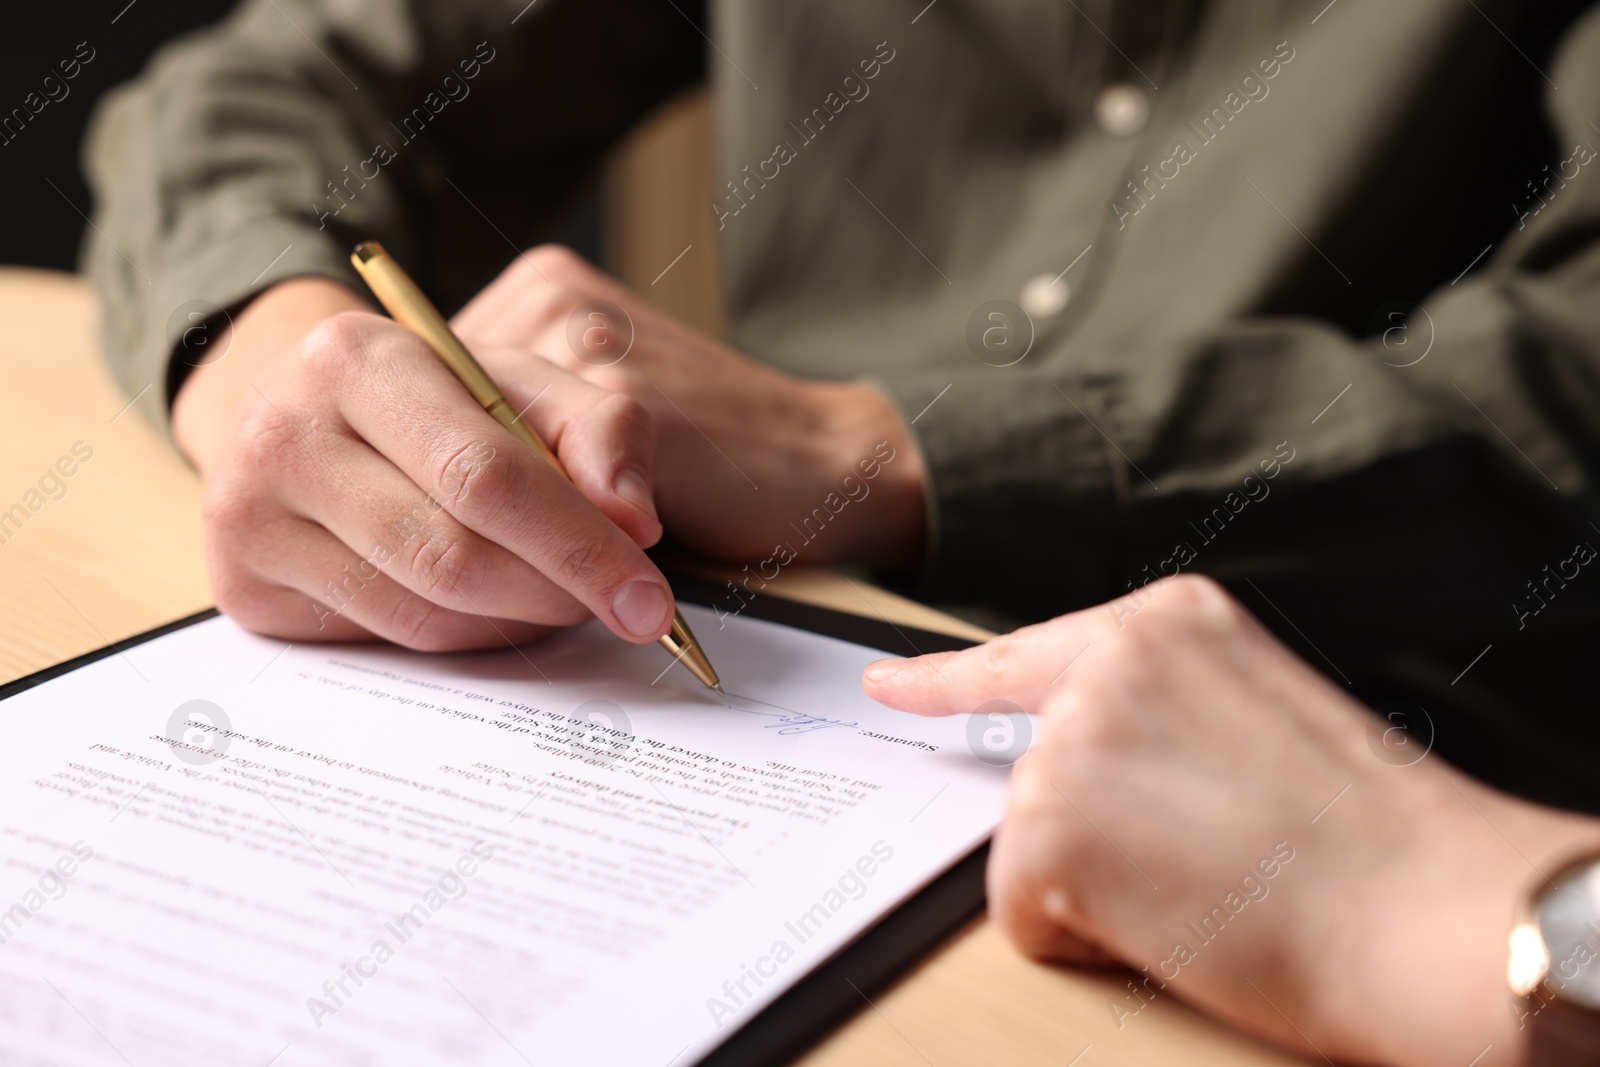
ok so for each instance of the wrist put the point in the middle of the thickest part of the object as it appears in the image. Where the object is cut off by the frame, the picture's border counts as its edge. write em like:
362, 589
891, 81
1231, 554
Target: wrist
207, 403
1430, 931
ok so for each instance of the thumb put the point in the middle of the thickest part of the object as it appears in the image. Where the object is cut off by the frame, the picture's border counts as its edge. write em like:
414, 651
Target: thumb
1020, 666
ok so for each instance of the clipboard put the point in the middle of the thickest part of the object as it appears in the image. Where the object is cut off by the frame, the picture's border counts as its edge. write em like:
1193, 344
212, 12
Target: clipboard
834, 991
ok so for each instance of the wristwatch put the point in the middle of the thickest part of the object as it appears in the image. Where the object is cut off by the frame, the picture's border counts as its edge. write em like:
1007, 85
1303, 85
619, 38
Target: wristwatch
1554, 968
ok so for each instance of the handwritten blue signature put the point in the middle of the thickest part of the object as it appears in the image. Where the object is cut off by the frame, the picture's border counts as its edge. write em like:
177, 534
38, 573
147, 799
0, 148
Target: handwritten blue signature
789, 722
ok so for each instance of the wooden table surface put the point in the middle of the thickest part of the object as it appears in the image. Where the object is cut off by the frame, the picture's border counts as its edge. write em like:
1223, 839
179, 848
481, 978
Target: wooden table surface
118, 552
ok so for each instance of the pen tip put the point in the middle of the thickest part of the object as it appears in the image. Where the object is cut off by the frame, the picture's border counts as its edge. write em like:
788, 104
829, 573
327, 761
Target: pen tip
718, 687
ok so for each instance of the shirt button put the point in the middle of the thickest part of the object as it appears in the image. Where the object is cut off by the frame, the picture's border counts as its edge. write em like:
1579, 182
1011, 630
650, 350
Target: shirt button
1044, 296
1121, 109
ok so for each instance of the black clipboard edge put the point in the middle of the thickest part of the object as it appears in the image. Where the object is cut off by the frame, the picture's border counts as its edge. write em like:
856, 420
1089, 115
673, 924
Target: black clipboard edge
810, 1009
28, 681
859, 629
874, 633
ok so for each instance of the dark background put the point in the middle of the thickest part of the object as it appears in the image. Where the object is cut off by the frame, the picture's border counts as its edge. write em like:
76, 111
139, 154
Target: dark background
41, 229
44, 226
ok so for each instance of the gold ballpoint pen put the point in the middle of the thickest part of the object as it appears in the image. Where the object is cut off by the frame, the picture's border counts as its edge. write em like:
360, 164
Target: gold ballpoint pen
410, 308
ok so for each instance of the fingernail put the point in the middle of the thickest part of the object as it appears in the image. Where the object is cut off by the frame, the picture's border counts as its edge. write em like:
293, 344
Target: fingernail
634, 487
641, 607
884, 670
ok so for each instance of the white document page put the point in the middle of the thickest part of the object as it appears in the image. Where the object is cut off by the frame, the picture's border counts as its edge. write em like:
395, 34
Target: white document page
560, 854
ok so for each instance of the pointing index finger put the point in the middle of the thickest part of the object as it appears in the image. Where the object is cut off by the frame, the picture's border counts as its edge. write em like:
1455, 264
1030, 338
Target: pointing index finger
1020, 666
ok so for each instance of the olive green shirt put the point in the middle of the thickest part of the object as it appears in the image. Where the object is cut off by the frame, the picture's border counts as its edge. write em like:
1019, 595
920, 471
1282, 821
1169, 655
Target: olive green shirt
1303, 295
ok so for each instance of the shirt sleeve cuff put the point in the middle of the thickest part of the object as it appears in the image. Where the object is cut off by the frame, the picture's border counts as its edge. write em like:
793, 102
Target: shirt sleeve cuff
186, 307
1022, 492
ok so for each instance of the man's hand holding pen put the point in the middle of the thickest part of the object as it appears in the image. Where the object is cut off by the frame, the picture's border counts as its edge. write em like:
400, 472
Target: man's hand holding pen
355, 489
